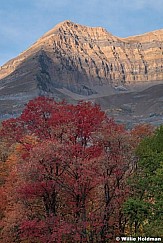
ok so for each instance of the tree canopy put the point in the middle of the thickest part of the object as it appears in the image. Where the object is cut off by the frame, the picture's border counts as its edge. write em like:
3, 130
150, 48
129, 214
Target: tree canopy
65, 171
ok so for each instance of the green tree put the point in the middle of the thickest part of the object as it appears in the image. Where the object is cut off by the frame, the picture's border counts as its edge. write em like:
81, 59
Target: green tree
145, 206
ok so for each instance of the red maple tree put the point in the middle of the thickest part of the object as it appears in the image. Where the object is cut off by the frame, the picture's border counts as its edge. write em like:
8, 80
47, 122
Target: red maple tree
71, 173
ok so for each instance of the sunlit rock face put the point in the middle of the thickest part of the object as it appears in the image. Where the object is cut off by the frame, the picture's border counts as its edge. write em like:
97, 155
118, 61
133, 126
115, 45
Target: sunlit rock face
72, 61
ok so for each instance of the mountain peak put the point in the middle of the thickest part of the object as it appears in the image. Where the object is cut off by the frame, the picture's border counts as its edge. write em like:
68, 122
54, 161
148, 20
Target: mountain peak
74, 62
69, 26
62, 25
65, 23
69, 23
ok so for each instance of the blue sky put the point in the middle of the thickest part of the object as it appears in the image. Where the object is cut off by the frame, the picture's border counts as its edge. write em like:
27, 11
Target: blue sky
22, 22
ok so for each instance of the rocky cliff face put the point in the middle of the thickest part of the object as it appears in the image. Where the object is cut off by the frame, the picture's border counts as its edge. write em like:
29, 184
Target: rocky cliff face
72, 60
78, 58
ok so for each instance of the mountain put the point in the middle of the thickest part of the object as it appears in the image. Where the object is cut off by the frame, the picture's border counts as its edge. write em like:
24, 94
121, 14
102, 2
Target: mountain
76, 62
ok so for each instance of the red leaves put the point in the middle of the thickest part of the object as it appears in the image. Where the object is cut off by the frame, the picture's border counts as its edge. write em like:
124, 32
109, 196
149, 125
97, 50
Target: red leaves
70, 171
12, 130
48, 230
89, 118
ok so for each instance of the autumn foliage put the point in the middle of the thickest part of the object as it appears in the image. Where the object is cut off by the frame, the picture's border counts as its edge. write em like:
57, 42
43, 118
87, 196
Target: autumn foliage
64, 177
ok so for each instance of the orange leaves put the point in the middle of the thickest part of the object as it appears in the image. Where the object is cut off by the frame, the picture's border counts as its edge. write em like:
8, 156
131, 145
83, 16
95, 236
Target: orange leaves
141, 131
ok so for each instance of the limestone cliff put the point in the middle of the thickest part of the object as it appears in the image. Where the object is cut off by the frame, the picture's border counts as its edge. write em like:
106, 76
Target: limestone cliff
76, 62
78, 58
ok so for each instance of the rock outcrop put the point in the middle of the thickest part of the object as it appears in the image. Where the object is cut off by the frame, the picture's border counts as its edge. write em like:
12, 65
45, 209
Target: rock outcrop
72, 60
78, 57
